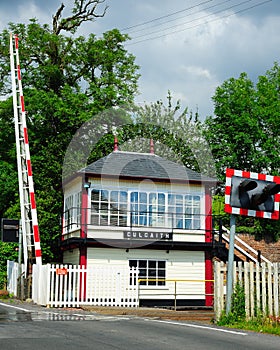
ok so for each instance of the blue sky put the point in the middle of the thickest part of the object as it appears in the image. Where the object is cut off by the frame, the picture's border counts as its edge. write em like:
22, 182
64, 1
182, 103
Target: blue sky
188, 47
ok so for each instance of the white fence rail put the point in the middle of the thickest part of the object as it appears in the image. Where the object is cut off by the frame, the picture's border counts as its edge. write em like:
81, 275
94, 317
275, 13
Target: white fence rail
15, 272
70, 285
261, 283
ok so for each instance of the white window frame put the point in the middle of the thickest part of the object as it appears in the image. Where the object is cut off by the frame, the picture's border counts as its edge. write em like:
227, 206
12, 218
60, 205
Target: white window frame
151, 272
72, 211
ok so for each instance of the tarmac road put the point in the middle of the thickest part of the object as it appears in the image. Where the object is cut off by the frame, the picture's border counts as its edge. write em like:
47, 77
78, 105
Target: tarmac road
28, 327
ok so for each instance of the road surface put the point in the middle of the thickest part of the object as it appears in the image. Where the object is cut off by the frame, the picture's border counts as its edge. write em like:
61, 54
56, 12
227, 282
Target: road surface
51, 329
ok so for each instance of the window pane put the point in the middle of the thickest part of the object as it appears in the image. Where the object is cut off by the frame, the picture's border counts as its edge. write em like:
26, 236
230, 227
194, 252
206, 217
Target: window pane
152, 264
143, 197
161, 198
142, 263
95, 195
104, 195
152, 198
114, 196
134, 196
132, 263
123, 197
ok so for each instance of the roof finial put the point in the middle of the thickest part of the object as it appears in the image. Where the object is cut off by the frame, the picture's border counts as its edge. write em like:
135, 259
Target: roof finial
116, 145
152, 150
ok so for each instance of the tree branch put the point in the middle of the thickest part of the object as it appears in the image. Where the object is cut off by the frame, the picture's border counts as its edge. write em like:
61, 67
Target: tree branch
83, 11
56, 18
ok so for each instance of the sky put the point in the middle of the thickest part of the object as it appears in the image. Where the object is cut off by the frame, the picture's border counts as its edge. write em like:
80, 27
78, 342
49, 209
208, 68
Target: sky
186, 47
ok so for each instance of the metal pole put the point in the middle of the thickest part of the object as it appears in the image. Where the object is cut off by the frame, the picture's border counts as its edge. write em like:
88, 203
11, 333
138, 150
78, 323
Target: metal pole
230, 263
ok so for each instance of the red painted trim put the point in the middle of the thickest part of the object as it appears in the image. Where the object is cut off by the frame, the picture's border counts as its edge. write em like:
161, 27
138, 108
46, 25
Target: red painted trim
209, 300
22, 103
84, 211
29, 167
18, 71
84, 223
38, 253
208, 215
208, 238
83, 262
83, 256
32, 200
16, 41
36, 233
25, 135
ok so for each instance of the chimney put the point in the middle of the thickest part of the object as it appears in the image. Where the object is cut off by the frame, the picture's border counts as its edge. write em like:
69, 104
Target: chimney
152, 150
116, 148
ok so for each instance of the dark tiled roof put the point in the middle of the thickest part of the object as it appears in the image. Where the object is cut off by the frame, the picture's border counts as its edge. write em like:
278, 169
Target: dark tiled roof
143, 165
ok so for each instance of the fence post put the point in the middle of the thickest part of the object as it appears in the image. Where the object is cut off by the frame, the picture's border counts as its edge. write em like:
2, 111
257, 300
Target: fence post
258, 290
246, 290
276, 289
175, 295
252, 290
263, 270
269, 287
217, 289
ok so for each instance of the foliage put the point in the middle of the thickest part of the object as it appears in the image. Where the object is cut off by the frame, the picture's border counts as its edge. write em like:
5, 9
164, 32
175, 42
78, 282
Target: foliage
67, 80
244, 133
8, 251
176, 132
237, 312
237, 316
259, 324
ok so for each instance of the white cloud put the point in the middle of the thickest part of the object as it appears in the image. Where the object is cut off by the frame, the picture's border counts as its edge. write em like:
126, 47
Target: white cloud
192, 62
196, 71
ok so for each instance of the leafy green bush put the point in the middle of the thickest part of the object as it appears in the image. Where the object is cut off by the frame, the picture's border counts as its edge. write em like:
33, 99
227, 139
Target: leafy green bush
237, 312
3, 279
8, 251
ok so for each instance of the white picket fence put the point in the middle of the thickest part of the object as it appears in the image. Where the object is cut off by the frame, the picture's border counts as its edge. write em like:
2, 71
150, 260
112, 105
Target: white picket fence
15, 273
72, 286
261, 284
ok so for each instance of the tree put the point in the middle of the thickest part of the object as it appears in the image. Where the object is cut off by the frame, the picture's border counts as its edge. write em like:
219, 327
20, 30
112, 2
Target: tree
234, 132
268, 111
67, 80
245, 131
177, 135
244, 134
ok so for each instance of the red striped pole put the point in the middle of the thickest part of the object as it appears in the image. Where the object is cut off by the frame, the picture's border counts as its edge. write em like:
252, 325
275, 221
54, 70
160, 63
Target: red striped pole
36, 235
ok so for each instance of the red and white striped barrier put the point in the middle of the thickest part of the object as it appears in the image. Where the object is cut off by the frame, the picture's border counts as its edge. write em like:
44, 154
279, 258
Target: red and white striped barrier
36, 235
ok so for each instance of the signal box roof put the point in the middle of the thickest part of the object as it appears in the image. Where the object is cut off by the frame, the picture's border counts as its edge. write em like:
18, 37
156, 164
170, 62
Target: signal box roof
143, 166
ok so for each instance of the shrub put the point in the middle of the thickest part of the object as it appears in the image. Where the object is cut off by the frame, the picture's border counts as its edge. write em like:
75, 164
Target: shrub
4, 294
237, 312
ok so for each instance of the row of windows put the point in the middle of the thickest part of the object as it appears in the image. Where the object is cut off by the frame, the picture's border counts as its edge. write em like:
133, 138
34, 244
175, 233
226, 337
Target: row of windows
156, 209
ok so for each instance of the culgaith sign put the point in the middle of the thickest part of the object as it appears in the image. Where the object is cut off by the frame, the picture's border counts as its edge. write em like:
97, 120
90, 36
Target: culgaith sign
155, 236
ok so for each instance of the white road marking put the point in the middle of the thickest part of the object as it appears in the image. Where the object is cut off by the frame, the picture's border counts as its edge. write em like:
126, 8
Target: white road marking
199, 326
62, 316
15, 307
